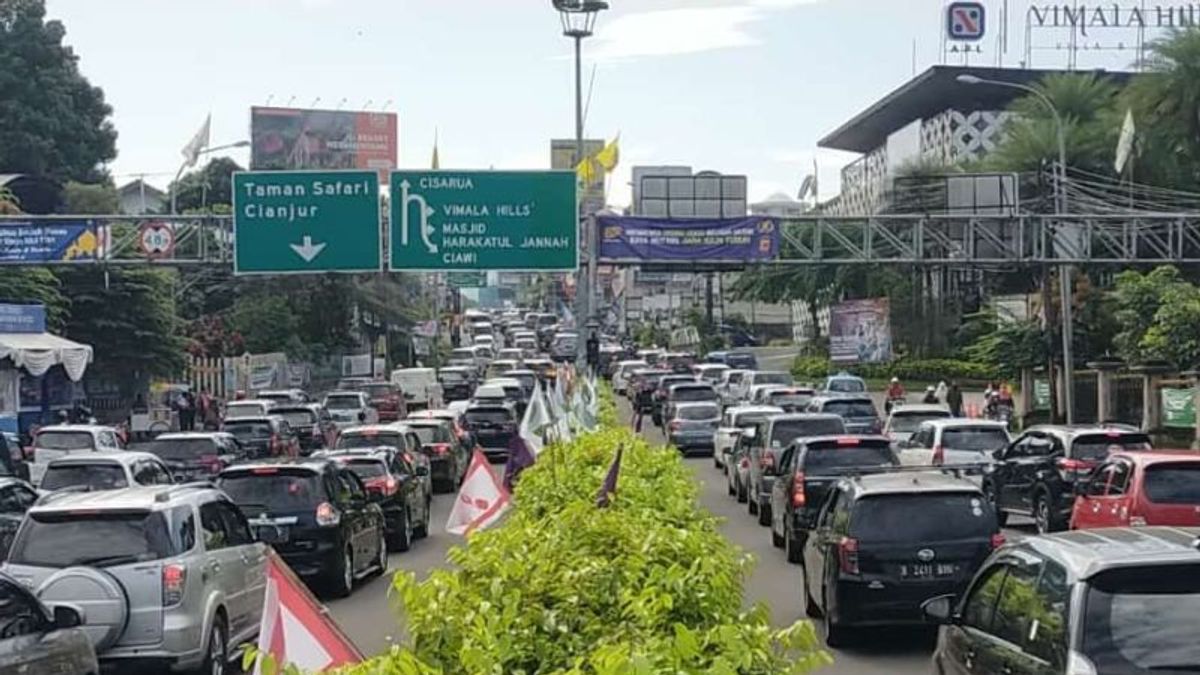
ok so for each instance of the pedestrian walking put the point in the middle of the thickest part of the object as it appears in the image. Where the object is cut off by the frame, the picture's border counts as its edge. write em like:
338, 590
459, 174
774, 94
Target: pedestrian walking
954, 399
186, 404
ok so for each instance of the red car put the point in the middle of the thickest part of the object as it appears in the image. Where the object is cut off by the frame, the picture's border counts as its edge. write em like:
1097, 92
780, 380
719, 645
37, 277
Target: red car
385, 398
1160, 487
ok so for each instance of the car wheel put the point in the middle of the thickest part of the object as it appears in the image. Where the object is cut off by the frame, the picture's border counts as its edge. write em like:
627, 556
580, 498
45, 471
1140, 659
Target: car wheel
1043, 515
216, 657
402, 538
342, 575
752, 505
716, 461
764, 515
777, 540
742, 495
989, 493
810, 606
835, 635
421, 529
729, 485
792, 548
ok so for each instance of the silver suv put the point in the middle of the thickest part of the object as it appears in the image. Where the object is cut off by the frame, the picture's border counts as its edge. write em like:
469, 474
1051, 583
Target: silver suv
168, 575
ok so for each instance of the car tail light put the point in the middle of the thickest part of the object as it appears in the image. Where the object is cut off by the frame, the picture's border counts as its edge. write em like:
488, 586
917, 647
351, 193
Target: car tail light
799, 498
1073, 468
327, 516
213, 462
274, 443
998, 540
440, 448
174, 578
745, 463
675, 425
408, 458
387, 485
939, 455
848, 555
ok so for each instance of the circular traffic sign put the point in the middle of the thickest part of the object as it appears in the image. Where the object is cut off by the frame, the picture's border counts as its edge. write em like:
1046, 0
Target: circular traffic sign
156, 239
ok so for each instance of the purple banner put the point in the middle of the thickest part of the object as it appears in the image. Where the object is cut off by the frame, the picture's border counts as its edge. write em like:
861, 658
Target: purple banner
663, 240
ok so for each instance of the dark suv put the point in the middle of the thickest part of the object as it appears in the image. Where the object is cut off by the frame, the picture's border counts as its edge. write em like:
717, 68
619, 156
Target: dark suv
1036, 474
771, 437
1101, 601
659, 397
447, 463
312, 424
858, 411
806, 471
457, 383
493, 426
316, 514
885, 543
394, 477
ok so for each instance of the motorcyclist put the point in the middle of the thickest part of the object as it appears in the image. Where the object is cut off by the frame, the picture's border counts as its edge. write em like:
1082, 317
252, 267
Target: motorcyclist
894, 394
931, 396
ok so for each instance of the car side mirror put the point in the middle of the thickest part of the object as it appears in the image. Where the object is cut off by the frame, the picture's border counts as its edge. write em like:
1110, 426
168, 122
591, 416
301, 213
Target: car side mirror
66, 617
362, 416
939, 610
422, 471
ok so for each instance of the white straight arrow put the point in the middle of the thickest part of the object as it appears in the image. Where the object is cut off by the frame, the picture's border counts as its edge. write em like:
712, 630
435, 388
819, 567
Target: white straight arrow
308, 250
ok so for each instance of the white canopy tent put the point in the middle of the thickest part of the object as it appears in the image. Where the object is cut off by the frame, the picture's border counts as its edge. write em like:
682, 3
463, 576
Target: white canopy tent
39, 352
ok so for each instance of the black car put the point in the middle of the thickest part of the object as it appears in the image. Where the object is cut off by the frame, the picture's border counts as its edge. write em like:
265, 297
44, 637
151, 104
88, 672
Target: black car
885, 543
312, 424
659, 396
805, 473
1096, 601
858, 411
16, 496
394, 478
741, 360
317, 515
690, 391
1036, 474
771, 437
446, 463
264, 437
457, 383
198, 455
493, 426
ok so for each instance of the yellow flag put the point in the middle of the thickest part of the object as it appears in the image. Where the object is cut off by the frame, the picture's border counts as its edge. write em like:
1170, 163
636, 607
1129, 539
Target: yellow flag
589, 171
610, 155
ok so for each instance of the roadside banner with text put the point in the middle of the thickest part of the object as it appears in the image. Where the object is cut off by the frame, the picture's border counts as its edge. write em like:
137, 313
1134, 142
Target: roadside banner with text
26, 241
1178, 408
860, 331
297, 222
624, 239
293, 138
484, 220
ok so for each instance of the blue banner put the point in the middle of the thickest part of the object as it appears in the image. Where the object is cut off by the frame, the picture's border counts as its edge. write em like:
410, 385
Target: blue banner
31, 241
624, 239
22, 318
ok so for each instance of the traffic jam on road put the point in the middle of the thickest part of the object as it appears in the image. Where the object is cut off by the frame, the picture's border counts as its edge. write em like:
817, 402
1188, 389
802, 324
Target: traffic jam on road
899, 520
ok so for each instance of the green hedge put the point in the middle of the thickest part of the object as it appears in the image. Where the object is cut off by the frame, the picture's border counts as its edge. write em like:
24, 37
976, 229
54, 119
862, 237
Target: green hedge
923, 370
647, 585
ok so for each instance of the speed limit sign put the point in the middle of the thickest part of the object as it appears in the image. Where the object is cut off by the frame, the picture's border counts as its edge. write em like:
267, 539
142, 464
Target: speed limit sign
157, 240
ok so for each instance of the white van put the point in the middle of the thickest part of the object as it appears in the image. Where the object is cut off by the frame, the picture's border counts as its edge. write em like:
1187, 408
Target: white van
420, 387
53, 442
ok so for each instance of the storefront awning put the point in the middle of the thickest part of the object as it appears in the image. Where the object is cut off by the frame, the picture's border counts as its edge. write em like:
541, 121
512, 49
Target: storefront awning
39, 352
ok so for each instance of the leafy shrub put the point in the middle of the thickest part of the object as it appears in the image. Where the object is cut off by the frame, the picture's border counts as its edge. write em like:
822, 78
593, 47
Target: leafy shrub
646, 585
813, 369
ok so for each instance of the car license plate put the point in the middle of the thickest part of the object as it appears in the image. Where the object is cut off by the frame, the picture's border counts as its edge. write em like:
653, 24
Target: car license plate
927, 570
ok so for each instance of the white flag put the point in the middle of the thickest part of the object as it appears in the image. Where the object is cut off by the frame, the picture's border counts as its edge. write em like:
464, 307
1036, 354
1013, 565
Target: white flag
535, 421
481, 500
1125, 142
191, 151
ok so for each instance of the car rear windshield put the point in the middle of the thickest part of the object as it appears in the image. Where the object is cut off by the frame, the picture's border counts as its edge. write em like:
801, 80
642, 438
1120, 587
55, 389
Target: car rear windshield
297, 418
378, 390
826, 458
695, 394
735, 378
850, 408
68, 539
242, 430
273, 489
65, 440
772, 378
452, 376
364, 468
698, 412
527, 380
1143, 620
847, 385
431, 434
747, 420
96, 476
462, 354
785, 398
907, 422
488, 416
786, 431
920, 518
1173, 483
978, 439
353, 441
343, 402
1097, 446
740, 360
185, 449
243, 409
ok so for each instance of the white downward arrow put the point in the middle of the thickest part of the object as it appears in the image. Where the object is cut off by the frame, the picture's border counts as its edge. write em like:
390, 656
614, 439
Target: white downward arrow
308, 250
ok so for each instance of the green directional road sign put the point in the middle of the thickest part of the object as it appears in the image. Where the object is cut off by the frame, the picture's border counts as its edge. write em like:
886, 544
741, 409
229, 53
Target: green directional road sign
484, 220
466, 279
297, 222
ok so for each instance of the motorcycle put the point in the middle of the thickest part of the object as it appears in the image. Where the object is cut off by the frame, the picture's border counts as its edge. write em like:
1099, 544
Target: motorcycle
893, 401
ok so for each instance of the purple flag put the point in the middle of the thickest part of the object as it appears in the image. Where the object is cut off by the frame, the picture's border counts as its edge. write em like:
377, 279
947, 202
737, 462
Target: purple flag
609, 487
519, 459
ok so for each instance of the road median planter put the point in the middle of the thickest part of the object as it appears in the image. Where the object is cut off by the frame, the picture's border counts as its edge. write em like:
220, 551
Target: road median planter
646, 585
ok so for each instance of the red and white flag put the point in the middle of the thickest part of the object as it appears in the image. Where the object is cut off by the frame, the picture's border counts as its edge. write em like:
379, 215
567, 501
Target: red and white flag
296, 629
481, 499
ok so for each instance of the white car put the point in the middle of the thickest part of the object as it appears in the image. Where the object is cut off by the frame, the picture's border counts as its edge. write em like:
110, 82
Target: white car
621, 375
733, 422
105, 471
53, 442
951, 441
729, 384
904, 419
254, 407
350, 408
419, 386
709, 372
756, 377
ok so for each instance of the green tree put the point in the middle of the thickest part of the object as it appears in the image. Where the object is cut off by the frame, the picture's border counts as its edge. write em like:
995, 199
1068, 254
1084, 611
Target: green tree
55, 124
266, 323
1164, 101
91, 199
36, 284
209, 187
1138, 298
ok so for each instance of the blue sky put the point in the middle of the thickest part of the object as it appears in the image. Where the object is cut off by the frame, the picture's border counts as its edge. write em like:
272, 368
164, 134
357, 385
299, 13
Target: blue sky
738, 86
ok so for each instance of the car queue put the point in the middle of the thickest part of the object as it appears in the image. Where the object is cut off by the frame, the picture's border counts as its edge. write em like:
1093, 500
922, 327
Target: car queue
898, 521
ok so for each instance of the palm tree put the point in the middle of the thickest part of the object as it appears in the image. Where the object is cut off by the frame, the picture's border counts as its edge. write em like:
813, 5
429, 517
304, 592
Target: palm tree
1165, 101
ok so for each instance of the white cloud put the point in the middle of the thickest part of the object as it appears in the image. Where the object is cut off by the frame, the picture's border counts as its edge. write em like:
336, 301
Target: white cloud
686, 30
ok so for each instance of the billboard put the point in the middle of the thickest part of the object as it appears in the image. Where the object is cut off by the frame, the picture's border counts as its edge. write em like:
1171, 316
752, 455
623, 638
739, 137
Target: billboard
38, 241
860, 331
293, 138
564, 158
625, 239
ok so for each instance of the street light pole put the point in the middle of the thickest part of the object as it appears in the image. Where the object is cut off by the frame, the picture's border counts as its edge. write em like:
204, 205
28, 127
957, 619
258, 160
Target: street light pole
1060, 206
186, 163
